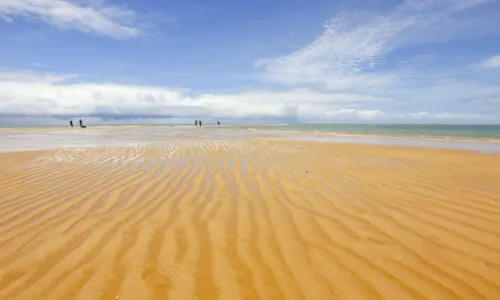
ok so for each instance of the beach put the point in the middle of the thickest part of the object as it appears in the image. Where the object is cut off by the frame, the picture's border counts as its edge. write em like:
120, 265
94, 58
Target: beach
227, 217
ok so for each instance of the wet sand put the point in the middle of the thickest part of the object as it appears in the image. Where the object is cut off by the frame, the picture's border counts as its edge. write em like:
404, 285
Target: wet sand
243, 219
77, 127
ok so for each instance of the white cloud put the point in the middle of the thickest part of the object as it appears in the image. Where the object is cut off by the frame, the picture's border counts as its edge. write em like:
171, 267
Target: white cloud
89, 16
346, 113
298, 102
28, 77
351, 47
491, 63
35, 95
30, 93
445, 115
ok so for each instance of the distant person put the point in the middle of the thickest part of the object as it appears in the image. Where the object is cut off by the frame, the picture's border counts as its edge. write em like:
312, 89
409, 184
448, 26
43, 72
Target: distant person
199, 122
218, 123
81, 123
71, 123
195, 123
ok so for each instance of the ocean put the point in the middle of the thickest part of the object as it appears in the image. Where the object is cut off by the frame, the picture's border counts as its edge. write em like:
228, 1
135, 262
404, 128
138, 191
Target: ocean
397, 130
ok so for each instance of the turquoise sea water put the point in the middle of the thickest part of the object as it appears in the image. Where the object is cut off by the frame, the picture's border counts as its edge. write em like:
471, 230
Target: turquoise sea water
410, 130
415, 130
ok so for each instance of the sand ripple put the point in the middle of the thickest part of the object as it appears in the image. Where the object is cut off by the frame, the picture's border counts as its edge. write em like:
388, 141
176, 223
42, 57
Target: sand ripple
240, 219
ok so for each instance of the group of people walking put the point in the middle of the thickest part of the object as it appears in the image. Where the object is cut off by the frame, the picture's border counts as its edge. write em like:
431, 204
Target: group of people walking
196, 123
81, 124
199, 123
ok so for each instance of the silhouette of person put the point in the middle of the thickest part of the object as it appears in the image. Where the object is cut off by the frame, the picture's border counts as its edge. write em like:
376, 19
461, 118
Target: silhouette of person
81, 123
71, 123
218, 123
200, 122
195, 123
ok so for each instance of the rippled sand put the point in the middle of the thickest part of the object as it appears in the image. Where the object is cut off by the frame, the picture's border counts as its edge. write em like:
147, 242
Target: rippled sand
231, 219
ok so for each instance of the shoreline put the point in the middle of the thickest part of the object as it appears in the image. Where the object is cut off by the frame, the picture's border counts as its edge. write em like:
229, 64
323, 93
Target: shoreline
27, 140
249, 127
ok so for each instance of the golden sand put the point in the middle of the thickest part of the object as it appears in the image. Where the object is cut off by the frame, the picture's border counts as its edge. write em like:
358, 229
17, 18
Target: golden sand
249, 220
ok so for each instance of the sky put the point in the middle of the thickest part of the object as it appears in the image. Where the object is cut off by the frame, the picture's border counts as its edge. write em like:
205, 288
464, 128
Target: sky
150, 62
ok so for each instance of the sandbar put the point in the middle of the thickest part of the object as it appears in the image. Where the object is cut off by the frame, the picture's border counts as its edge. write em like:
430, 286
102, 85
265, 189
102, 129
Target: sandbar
249, 219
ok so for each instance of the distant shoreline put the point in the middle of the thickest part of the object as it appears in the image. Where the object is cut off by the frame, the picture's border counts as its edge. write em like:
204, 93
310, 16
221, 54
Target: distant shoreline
303, 128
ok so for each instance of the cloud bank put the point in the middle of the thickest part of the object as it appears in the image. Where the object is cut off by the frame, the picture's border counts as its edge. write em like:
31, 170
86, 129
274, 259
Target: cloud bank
86, 16
27, 94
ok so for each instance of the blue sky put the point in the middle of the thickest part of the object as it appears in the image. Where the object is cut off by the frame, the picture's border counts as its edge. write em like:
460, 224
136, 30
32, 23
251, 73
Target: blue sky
144, 61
